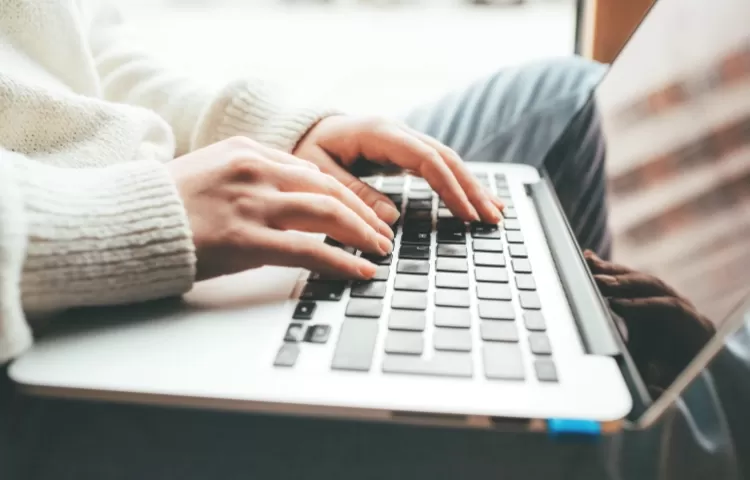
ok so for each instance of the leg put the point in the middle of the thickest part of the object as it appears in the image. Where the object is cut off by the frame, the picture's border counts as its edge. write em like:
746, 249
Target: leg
520, 115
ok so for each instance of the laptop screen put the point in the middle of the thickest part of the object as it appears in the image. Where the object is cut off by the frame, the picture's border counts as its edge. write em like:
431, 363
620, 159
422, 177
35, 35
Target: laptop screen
675, 110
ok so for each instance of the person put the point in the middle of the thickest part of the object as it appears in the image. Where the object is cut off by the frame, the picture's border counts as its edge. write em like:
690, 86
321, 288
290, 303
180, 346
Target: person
121, 181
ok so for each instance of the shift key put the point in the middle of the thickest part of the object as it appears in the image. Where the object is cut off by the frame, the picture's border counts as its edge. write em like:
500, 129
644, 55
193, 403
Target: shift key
356, 345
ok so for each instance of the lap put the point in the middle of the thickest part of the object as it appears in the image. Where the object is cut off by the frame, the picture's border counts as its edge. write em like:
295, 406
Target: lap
537, 115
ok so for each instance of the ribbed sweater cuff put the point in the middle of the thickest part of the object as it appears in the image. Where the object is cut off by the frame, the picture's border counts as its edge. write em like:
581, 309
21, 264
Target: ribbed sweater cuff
103, 236
248, 108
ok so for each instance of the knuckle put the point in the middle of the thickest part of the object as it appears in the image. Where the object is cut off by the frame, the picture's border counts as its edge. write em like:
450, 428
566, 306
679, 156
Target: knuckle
239, 141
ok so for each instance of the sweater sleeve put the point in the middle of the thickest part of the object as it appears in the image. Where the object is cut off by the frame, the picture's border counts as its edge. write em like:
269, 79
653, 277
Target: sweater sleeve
199, 115
86, 236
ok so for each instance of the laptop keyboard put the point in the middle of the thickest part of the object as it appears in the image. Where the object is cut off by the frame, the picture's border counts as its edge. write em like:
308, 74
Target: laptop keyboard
440, 267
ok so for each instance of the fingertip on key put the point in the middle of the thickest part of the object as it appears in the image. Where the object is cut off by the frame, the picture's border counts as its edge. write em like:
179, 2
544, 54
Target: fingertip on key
386, 212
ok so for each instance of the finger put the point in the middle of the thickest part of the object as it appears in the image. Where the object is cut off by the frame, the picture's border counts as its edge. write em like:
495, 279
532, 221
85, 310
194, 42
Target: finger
392, 145
298, 180
292, 249
597, 265
311, 212
379, 203
632, 285
487, 205
287, 159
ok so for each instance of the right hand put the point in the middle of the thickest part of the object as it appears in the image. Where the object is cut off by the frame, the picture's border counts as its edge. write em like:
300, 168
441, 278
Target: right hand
242, 198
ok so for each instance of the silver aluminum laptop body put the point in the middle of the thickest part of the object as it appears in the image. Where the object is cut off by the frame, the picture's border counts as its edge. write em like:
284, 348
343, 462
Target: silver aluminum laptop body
392, 353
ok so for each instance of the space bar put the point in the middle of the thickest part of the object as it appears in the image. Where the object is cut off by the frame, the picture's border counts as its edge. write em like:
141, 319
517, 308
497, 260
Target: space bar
442, 364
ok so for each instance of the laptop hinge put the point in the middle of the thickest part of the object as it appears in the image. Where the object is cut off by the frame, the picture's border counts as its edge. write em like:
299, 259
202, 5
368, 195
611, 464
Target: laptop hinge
593, 321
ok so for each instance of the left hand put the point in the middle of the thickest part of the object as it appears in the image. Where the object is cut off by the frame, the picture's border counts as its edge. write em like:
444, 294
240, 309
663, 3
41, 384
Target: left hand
335, 143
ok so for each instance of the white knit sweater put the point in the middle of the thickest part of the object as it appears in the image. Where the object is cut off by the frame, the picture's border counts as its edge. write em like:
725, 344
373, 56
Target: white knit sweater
88, 213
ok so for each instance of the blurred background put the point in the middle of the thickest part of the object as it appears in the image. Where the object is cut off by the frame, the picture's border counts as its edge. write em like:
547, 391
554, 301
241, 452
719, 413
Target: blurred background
366, 55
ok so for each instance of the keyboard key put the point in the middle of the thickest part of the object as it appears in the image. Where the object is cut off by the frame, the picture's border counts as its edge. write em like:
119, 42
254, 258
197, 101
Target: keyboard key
453, 339
494, 331
441, 204
407, 320
448, 250
491, 274
539, 344
295, 332
525, 282
506, 200
484, 259
323, 291
451, 224
445, 264
391, 189
529, 300
452, 317
510, 213
487, 245
415, 237
304, 311
416, 252
414, 227
318, 334
520, 265
418, 183
514, 237
452, 280
502, 361
420, 195
517, 251
545, 370
444, 237
416, 283
445, 364
287, 355
496, 310
316, 277
495, 234
481, 227
419, 205
356, 345
414, 267
534, 320
382, 272
444, 213
369, 289
418, 216
451, 298
503, 191
377, 259
398, 180
396, 198
364, 307
409, 300
493, 291
512, 224
410, 343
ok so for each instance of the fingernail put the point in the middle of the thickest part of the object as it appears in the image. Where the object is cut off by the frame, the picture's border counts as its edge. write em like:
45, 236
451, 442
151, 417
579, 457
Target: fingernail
385, 245
386, 212
367, 269
473, 215
385, 230
607, 279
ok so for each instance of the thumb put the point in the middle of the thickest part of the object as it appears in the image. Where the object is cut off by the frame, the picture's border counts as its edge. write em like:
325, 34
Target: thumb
383, 207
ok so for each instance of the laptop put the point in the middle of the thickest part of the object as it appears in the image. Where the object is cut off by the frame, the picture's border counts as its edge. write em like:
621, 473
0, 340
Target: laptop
475, 326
